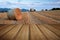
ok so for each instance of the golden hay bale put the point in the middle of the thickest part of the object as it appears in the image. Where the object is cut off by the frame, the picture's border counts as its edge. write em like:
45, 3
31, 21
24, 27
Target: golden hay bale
15, 14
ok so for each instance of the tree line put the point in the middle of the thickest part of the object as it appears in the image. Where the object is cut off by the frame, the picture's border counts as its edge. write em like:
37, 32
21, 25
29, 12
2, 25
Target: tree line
31, 9
4, 9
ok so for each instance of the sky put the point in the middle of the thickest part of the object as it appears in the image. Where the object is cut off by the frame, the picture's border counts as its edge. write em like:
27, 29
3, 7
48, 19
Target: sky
27, 4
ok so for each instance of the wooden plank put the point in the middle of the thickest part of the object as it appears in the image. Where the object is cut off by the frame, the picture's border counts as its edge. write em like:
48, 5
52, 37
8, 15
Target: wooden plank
57, 26
49, 34
3, 26
5, 30
11, 34
23, 33
35, 33
51, 28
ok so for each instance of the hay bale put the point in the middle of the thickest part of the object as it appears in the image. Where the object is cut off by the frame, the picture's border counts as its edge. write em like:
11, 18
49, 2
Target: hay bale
15, 14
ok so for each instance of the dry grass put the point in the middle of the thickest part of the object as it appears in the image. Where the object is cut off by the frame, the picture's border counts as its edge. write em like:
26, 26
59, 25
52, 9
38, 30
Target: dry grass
45, 16
3, 15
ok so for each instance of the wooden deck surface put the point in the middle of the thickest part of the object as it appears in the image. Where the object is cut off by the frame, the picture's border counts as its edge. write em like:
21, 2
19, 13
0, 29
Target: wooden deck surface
33, 26
30, 32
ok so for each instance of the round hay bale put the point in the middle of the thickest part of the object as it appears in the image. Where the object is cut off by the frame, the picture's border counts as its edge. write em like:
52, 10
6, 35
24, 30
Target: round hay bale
15, 14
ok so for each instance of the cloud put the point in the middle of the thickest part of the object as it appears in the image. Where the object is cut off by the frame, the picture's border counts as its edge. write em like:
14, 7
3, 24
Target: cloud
51, 3
22, 4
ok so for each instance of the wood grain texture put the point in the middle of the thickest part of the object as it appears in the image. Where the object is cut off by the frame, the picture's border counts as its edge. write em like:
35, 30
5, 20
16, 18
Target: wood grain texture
30, 32
33, 26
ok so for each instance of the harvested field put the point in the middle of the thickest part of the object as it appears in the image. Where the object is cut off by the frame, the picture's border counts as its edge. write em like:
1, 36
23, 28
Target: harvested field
48, 17
32, 26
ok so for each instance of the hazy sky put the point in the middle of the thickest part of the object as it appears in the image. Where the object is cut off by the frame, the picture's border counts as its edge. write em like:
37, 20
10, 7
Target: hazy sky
37, 4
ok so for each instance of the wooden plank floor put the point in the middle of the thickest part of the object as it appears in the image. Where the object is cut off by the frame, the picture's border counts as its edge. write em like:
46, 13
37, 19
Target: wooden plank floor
30, 32
33, 26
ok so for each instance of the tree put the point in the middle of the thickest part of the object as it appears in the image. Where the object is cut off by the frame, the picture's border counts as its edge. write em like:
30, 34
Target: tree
46, 10
55, 9
32, 10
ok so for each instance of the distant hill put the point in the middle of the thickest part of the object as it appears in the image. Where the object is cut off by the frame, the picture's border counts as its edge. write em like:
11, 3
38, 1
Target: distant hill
24, 10
7, 9
4, 9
